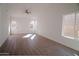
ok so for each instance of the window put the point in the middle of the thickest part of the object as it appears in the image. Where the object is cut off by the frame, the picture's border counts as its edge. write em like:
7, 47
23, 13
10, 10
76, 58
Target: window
70, 26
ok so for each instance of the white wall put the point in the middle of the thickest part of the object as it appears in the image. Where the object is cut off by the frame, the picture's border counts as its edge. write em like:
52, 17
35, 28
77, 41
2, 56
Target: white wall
3, 23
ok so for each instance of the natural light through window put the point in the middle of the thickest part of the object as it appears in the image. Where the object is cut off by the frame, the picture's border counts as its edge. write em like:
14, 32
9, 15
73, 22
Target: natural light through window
13, 26
68, 25
33, 25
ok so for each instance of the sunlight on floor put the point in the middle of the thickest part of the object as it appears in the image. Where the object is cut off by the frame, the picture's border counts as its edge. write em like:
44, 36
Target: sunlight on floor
33, 36
27, 36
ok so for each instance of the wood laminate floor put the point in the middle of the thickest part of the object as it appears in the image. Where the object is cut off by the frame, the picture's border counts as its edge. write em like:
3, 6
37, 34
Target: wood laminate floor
39, 46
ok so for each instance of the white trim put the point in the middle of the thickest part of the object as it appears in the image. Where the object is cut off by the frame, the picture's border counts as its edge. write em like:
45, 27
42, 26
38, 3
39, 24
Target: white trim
68, 37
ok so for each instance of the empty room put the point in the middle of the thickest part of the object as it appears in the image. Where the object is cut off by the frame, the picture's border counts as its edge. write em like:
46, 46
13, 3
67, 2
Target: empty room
39, 29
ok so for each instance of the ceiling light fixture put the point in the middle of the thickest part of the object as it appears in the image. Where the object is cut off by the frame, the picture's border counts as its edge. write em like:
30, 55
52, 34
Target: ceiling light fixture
27, 11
